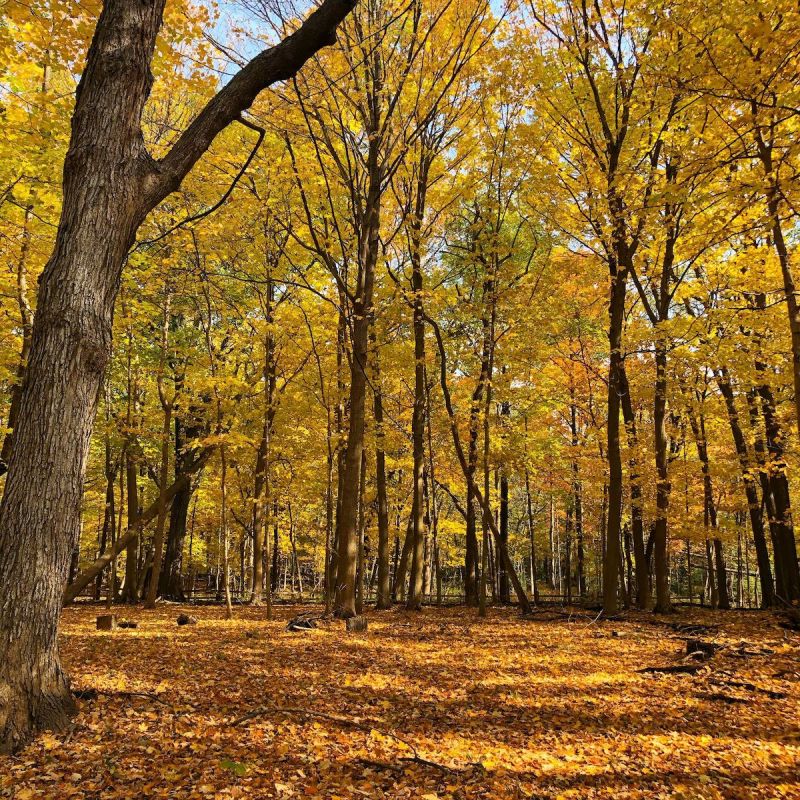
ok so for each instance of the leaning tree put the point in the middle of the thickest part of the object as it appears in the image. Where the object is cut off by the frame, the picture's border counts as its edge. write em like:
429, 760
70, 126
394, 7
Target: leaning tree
110, 184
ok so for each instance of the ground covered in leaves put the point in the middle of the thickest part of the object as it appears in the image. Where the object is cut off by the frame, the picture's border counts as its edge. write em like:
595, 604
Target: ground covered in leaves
432, 705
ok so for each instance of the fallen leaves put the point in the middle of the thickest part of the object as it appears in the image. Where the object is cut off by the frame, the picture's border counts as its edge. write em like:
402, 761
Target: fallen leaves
432, 705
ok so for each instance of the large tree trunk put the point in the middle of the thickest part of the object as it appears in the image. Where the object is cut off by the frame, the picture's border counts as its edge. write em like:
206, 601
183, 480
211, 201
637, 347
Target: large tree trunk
71, 343
110, 184
787, 574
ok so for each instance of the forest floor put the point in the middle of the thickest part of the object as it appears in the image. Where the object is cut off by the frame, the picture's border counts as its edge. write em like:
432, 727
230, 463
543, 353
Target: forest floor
437, 704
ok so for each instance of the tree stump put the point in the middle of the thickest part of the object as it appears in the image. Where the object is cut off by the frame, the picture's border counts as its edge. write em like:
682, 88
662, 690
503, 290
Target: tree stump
107, 622
356, 624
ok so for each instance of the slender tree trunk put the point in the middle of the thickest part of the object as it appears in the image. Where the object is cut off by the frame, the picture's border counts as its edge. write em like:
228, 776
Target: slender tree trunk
384, 599
532, 536
503, 588
615, 388
261, 486
369, 245
158, 538
663, 603
26, 319
722, 575
641, 565
751, 491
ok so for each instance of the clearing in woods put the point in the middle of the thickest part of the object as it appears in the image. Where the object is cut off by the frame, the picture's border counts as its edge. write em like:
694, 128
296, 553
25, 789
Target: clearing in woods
432, 705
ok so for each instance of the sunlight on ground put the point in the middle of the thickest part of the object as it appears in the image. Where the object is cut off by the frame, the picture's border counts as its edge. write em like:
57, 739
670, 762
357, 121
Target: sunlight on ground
432, 705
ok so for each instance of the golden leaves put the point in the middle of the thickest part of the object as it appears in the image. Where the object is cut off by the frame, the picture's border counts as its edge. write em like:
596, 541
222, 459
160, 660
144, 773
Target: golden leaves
437, 705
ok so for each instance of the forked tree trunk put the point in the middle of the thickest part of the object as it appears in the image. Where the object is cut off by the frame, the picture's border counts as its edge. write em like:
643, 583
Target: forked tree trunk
110, 184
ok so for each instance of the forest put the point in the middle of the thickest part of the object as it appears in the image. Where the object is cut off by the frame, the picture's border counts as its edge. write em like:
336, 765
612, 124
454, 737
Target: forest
399, 398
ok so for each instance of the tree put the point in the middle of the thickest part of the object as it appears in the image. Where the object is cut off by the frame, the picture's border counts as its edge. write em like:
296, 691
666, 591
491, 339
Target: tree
110, 184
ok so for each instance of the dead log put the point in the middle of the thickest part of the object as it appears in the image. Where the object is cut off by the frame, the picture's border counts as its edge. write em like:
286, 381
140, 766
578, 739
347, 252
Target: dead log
185, 619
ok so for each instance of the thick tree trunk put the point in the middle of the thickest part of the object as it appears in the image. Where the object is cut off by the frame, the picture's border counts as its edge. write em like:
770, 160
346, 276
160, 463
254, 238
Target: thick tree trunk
110, 184
171, 587
39, 515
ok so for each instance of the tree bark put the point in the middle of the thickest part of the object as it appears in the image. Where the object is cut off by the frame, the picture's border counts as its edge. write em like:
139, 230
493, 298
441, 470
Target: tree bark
751, 491
110, 184
383, 599
614, 455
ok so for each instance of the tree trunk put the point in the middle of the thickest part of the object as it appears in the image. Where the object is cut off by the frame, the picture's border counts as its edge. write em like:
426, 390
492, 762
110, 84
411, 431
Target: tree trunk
110, 184
26, 319
751, 491
361, 319
641, 565
663, 604
615, 388
383, 599
722, 576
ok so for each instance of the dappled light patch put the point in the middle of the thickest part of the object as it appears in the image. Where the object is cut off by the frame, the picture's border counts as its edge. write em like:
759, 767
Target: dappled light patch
435, 705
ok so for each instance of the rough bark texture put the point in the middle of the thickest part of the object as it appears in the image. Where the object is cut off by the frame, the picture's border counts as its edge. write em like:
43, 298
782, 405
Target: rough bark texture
110, 184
